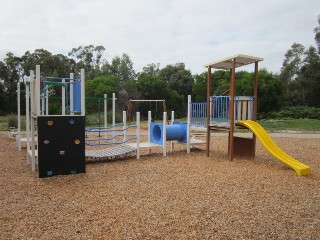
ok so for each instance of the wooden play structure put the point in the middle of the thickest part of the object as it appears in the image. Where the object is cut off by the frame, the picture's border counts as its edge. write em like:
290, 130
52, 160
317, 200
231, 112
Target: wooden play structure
242, 146
229, 112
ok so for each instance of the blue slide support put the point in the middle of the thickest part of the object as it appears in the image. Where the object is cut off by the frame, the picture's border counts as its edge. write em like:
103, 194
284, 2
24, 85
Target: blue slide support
175, 132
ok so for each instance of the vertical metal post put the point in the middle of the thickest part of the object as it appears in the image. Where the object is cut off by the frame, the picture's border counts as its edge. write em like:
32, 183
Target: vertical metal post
28, 119
114, 113
124, 120
33, 117
105, 111
164, 138
149, 126
138, 134
63, 98
83, 93
188, 124
172, 121
18, 138
208, 112
37, 90
71, 86
47, 102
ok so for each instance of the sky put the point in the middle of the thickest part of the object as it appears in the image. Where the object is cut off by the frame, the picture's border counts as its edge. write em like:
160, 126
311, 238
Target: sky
194, 32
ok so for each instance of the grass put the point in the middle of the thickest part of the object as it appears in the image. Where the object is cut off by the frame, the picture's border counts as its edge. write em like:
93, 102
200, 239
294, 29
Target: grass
298, 125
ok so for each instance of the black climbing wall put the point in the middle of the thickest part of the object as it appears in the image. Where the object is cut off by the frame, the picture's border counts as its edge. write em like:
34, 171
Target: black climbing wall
61, 145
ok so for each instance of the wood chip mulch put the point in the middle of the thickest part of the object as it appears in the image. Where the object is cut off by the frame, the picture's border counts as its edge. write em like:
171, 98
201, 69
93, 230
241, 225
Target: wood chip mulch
182, 196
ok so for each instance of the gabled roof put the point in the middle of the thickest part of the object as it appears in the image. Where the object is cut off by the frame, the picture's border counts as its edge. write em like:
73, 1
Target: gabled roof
226, 63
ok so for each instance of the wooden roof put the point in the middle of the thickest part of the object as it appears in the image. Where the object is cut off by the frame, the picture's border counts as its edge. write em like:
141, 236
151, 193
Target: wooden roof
226, 63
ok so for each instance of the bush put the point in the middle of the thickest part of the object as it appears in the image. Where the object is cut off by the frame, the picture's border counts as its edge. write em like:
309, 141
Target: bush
292, 113
12, 121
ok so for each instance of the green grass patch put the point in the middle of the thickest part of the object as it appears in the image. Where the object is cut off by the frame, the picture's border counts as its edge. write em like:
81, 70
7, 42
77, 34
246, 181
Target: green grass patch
298, 125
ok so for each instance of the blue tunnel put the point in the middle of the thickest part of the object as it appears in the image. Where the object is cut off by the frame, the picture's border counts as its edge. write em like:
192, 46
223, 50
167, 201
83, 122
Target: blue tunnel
175, 132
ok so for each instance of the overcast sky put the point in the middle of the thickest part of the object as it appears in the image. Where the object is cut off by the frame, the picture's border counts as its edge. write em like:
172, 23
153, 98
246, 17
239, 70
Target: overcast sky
194, 32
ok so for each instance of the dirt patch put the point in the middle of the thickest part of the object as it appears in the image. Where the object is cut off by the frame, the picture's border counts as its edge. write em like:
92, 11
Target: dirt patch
182, 196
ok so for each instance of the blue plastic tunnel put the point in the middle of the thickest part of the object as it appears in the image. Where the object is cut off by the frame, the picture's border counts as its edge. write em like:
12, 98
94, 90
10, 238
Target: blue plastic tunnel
175, 132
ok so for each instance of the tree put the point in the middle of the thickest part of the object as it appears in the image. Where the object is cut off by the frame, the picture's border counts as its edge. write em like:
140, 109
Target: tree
270, 91
199, 87
310, 78
11, 73
178, 78
152, 88
101, 85
152, 69
290, 71
4, 100
120, 67
51, 65
317, 34
90, 58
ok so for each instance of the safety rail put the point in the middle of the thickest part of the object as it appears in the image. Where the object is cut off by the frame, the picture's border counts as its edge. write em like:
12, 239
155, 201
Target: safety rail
219, 110
102, 140
198, 114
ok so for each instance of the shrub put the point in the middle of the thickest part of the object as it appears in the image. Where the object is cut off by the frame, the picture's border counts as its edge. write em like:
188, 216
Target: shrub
292, 113
12, 121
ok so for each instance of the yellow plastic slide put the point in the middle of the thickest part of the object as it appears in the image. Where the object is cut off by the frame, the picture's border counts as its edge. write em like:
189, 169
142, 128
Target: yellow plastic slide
271, 147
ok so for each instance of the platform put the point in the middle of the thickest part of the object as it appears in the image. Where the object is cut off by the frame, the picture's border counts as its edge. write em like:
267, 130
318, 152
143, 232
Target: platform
115, 152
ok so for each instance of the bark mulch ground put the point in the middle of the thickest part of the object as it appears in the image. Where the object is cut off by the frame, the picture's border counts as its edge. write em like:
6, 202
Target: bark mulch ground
182, 196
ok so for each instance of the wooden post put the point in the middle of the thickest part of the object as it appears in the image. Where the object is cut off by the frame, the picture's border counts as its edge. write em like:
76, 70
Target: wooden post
255, 102
231, 110
208, 111
255, 92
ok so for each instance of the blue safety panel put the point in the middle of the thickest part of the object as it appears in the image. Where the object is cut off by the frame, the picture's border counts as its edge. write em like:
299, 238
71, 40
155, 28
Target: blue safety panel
77, 96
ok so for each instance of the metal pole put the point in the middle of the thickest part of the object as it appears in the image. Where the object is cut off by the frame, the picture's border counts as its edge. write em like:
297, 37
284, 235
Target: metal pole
208, 112
28, 119
63, 98
37, 90
164, 147
71, 86
172, 121
33, 116
105, 110
138, 134
124, 120
149, 126
114, 113
188, 123
18, 138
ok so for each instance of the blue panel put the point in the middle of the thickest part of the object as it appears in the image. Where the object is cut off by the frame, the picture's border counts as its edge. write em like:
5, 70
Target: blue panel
77, 96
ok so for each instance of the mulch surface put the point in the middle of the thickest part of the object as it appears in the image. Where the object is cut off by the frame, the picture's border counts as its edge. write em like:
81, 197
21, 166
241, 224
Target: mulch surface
181, 196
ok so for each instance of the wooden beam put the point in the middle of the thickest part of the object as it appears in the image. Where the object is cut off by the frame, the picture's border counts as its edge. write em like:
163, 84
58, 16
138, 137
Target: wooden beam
255, 92
208, 111
231, 110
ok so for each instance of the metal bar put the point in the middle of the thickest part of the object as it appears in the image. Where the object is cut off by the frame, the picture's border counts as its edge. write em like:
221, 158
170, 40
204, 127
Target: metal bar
208, 112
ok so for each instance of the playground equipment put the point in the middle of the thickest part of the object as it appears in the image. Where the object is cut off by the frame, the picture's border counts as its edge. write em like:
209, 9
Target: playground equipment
121, 147
60, 143
273, 149
227, 112
131, 101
